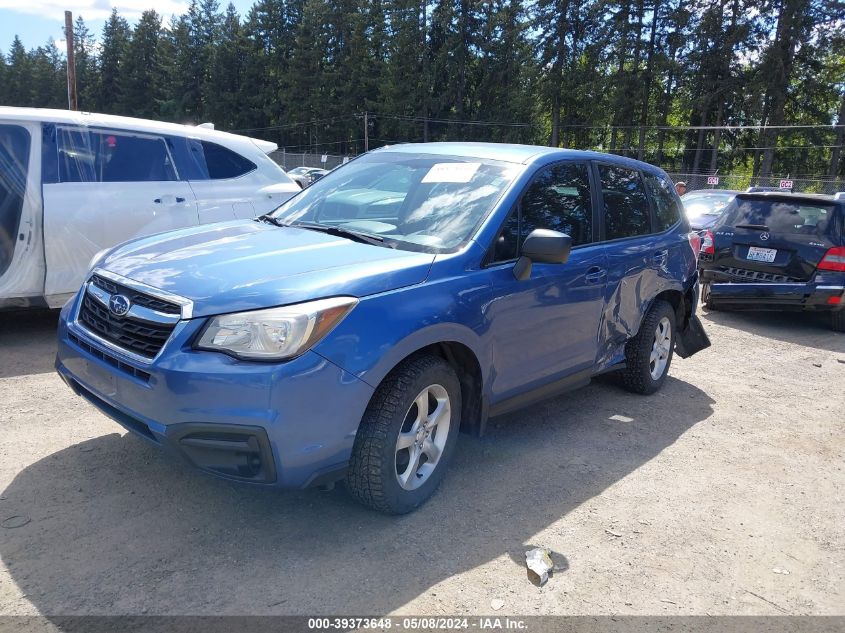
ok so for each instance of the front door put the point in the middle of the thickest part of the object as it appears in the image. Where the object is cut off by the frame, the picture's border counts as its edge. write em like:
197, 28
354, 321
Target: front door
546, 327
103, 187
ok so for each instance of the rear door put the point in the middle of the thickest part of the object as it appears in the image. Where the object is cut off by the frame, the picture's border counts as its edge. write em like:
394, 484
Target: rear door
21, 260
103, 187
774, 238
671, 228
633, 253
223, 182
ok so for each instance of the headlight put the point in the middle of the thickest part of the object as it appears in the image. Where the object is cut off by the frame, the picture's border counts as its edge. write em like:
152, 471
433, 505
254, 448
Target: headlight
277, 333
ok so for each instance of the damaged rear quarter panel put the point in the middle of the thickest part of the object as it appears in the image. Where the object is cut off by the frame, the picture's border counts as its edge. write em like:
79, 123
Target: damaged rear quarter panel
640, 269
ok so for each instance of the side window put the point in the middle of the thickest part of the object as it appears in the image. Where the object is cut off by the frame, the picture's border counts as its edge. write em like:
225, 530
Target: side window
101, 156
559, 199
221, 163
14, 166
667, 206
76, 156
626, 211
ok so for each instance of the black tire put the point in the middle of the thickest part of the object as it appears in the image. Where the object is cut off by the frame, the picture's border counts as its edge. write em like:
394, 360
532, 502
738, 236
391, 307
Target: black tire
372, 476
637, 375
837, 321
706, 297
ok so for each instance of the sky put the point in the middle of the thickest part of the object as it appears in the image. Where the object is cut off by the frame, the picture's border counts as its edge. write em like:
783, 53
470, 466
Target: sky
37, 20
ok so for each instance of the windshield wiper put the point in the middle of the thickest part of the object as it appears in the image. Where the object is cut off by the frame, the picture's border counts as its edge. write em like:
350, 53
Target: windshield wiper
270, 220
357, 236
753, 227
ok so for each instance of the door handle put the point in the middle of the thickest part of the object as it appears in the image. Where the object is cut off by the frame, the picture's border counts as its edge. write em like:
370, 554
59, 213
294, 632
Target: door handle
169, 200
595, 275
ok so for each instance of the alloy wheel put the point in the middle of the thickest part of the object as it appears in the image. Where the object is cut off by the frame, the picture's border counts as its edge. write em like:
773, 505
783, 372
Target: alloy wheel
660, 348
423, 436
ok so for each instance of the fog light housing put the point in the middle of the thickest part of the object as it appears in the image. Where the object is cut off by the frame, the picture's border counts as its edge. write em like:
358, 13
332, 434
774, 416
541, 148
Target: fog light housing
241, 453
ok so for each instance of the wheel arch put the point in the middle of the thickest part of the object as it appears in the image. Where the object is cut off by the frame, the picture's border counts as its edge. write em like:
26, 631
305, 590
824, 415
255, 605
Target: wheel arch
683, 301
460, 347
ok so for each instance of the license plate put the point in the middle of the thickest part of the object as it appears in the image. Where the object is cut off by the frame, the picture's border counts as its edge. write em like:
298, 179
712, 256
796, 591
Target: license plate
761, 254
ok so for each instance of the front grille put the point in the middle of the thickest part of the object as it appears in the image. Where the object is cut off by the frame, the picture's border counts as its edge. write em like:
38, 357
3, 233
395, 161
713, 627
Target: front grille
745, 274
134, 335
153, 303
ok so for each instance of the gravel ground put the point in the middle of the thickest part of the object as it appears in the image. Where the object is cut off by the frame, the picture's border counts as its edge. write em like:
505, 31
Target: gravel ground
722, 494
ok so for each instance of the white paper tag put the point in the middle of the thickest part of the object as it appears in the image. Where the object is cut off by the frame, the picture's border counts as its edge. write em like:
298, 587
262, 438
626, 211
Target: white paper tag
451, 172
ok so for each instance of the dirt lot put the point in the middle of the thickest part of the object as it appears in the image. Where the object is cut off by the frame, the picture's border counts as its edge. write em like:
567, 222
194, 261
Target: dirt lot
722, 494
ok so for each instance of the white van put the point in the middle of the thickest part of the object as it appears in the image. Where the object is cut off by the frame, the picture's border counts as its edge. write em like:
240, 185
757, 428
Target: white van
74, 183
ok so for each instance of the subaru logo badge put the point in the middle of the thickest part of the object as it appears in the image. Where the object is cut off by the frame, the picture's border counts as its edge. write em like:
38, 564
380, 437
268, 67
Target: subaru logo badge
764, 236
119, 305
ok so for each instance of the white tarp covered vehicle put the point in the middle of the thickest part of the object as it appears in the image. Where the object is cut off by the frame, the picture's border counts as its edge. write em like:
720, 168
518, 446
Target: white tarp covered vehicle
73, 184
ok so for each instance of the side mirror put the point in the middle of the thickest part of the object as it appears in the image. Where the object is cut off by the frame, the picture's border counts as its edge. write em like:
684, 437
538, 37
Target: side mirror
543, 246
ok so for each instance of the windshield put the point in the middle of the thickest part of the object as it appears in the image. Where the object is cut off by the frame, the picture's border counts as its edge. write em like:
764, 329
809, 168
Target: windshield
698, 205
413, 201
782, 216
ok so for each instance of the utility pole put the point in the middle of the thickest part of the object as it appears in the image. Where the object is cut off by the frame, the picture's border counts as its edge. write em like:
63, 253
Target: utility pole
366, 132
71, 63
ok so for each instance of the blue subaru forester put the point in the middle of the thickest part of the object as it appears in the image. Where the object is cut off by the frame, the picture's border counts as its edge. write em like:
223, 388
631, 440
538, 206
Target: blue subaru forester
410, 294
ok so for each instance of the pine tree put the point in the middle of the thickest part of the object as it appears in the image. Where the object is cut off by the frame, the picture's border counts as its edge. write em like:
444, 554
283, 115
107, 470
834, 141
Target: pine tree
3, 79
84, 47
307, 90
406, 89
48, 84
18, 74
226, 73
506, 80
113, 48
794, 24
141, 80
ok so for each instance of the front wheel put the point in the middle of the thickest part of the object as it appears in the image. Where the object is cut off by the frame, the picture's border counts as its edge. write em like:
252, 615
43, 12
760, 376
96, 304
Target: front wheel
406, 436
649, 354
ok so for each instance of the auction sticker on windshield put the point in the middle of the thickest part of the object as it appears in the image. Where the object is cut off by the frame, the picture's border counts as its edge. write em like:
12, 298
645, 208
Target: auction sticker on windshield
451, 172
761, 254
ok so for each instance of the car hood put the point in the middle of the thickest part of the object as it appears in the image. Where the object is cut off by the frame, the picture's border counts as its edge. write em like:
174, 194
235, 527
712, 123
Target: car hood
247, 265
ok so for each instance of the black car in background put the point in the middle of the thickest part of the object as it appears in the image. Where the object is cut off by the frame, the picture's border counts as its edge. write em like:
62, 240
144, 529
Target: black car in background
704, 207
777, 251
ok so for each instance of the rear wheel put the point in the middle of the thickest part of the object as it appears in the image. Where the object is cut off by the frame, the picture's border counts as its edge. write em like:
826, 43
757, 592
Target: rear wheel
406, 437
706, 297
837, 321
649, 354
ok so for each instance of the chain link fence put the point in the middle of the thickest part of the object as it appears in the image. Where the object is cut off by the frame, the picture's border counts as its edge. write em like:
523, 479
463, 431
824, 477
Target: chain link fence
742, 182
289, 160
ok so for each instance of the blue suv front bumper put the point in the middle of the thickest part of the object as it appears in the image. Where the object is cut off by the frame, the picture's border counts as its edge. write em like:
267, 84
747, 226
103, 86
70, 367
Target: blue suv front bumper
286, 424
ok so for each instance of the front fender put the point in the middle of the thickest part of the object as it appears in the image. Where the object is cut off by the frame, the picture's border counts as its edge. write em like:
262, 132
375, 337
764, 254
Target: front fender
440, 333
384, 329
